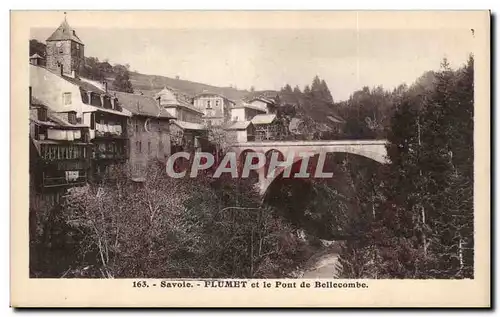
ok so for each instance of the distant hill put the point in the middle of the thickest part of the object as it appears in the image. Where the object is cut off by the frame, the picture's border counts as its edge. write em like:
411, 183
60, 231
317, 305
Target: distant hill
149, 84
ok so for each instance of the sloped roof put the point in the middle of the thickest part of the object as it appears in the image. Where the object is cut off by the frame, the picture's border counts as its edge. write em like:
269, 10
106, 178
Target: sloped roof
170, 98
261, 98
189, 125
210, 93
243, 104
76, 81
239, 125
263, 118
267, 94
142, 105
35, 56
167, 96
36, 102
53, 119
185, 105
84, 85
64, 32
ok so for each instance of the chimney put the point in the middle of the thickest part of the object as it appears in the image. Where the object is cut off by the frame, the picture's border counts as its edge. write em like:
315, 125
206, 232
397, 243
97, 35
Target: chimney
105, 85
73, 73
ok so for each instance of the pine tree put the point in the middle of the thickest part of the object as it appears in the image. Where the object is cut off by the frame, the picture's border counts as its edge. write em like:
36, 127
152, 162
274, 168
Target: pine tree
316, 84
287, 88
326, 94
402, 219
296, 90
316, 89
307, 90
449, 164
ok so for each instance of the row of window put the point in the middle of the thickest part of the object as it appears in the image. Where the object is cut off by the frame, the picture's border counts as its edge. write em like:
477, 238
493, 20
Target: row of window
94, 99
138, 147
60, 152
209, 104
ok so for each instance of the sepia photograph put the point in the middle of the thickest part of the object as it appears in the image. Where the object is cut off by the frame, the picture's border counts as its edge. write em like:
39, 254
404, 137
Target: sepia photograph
222, 155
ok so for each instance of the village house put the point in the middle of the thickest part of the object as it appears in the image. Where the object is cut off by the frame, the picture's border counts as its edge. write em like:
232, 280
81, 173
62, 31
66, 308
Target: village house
240, 131
245, 112
216, 108
187, 129
256, 120
59, 153
268, 127
266, 104
36, 59
60, 88
148, 131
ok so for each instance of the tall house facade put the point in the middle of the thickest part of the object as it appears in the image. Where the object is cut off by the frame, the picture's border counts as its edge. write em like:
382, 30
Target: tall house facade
148, 132
187, 129
216, 108
65, 51
59, 154
59, 87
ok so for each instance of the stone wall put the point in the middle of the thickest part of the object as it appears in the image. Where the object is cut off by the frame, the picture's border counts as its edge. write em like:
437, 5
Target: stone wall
68, 53
149, 140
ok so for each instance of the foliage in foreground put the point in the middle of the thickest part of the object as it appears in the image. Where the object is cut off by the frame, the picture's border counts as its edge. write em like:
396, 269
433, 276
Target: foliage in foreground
174, 228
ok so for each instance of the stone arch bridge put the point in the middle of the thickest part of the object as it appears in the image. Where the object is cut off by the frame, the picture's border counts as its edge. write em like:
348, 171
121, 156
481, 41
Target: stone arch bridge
372, 149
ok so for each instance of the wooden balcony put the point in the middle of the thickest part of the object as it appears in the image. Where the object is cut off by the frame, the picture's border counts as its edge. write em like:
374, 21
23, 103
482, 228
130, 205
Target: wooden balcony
53, 181
110, 149
111, 135
63, 152
109, 155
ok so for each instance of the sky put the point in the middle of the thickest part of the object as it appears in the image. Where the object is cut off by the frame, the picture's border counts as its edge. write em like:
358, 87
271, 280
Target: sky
347, 59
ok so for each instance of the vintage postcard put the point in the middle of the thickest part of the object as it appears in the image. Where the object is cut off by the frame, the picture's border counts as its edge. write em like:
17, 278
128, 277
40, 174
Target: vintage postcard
250, 159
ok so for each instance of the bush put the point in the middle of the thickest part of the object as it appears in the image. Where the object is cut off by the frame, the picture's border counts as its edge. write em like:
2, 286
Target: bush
176, 228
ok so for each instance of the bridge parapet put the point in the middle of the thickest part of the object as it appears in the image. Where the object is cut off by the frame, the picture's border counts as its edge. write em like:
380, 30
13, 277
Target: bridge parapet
373, 149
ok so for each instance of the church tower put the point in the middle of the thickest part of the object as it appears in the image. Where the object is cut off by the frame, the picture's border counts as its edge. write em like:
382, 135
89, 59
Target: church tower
65, 53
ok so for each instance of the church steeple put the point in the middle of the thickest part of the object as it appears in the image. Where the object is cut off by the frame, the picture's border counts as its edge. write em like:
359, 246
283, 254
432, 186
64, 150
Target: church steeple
65, 50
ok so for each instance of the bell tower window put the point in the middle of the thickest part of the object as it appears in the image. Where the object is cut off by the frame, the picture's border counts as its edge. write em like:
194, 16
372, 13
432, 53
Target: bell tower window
60, 48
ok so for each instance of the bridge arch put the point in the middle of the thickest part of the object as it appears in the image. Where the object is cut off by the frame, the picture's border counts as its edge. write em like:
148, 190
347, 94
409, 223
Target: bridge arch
266, 182
268, 155
372, 149
241, 158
